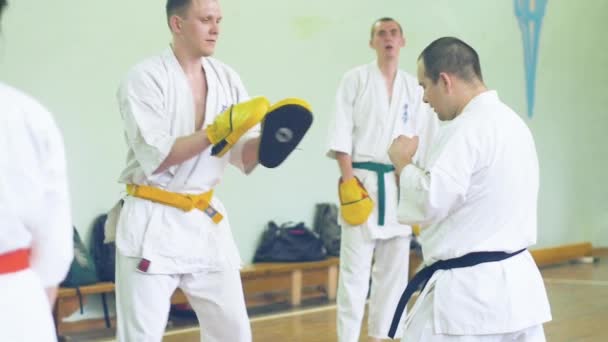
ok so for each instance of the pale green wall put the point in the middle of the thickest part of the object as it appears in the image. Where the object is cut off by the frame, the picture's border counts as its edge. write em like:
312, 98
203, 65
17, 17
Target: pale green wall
72, 54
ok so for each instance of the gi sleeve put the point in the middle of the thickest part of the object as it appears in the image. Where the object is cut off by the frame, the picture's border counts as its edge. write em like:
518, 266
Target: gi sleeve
342, 125
146, 120
427, 196
239, 94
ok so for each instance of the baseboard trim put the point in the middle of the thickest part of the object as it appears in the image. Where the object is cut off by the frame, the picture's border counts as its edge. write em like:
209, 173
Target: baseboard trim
563, 253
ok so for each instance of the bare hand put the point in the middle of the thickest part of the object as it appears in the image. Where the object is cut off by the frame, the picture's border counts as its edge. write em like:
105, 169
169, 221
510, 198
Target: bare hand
402, 151
345, 163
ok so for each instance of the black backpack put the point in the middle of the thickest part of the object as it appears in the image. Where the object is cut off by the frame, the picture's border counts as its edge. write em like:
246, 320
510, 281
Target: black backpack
104, 254
289, 243
326, 225
82, 270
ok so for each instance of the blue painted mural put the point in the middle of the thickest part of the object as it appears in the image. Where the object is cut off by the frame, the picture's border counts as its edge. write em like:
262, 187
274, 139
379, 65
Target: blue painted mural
530, 14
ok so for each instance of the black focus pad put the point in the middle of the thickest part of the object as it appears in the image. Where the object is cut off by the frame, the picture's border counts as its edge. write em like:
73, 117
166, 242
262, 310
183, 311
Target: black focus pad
282, 131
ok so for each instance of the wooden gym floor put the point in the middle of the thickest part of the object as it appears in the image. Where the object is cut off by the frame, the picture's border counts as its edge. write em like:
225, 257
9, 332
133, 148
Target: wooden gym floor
578, 293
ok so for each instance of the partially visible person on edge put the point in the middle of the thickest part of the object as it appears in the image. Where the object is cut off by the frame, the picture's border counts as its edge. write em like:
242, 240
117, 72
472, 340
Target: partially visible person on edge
36, 247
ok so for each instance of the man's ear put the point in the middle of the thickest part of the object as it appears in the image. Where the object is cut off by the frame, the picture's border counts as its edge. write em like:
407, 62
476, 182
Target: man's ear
445, 81
175, 23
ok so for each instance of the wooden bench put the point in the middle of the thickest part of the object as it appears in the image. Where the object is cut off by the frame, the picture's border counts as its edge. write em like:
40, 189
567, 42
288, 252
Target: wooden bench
68, 302
267, 283
263, 284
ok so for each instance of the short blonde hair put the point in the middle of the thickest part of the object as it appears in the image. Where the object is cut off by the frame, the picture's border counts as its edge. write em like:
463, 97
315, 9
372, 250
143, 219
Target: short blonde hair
384, 20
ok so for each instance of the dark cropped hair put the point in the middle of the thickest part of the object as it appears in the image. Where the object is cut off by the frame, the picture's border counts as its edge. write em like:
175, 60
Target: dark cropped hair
3, 4
451, 55
176, 7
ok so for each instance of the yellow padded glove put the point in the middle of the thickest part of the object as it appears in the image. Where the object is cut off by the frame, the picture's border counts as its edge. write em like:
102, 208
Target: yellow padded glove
235, 121
355, 203
416, 229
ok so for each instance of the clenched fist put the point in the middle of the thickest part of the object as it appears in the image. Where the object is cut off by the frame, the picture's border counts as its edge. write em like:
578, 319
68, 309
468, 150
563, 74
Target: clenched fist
402, 151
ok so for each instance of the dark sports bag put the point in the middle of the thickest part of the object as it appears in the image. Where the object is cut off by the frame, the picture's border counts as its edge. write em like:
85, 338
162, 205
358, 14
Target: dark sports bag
326, 225
82, 270
289, 243
104, 254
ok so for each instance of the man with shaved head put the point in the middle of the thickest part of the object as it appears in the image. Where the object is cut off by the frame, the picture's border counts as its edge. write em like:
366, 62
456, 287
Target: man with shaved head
476, 200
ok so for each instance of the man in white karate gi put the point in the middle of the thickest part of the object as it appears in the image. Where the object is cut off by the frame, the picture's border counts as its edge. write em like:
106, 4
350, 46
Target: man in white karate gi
476, 200
375, 103
35, 220
186, 116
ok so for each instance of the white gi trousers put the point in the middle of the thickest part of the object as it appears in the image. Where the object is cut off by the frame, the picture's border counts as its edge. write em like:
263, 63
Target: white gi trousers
25, 313
421, 329
143, 301
389, 275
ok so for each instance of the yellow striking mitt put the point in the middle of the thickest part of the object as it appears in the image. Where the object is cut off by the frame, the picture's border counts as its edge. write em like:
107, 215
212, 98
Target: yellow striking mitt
416, 229
235, 121
355, 203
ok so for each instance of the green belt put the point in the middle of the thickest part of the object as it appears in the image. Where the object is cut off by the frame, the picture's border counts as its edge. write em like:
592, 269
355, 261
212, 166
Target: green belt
380, 170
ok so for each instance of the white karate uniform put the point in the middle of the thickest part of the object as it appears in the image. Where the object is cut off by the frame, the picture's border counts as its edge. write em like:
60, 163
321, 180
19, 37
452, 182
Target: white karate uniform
34, 214
364, 126
477, 192
185, 249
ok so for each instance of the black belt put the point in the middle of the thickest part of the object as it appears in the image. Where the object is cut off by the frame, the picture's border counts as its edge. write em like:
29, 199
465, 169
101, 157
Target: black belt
423, 276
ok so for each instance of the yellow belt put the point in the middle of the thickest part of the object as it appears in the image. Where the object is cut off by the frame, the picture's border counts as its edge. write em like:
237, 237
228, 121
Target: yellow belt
176, 200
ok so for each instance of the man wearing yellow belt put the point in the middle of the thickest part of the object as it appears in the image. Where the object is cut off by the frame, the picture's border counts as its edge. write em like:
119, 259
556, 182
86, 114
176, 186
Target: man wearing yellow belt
187, 116
35, 220
375, 103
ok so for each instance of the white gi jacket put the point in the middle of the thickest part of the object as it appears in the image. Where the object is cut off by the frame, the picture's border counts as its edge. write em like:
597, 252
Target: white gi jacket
477, 193
364, 126
34, 200
157, 107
